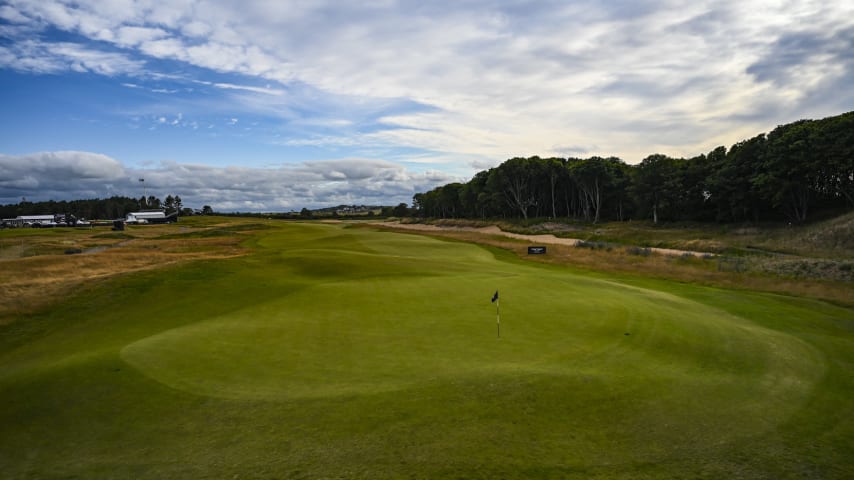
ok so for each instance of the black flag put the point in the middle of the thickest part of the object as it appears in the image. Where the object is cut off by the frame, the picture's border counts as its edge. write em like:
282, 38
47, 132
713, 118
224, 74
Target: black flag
495, 297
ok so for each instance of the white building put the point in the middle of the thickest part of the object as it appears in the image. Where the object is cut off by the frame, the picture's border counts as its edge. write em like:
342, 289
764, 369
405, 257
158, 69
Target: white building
30, 220
149, 216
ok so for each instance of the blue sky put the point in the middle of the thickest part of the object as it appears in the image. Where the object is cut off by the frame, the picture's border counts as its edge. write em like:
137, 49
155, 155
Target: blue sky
253, 105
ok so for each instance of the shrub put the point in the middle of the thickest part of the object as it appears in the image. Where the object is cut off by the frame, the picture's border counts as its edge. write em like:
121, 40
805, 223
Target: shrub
640, 251
594, 245
731, 264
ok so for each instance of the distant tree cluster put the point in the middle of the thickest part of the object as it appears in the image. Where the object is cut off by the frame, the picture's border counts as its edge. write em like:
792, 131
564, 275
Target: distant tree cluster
794, 171
170, 204
98, 208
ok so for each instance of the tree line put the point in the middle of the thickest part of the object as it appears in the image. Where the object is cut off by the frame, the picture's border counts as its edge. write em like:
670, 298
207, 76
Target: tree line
97, 208
791, 173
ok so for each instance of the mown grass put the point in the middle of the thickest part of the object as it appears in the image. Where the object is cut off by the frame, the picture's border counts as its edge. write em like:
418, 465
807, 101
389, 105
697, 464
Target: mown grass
333, 352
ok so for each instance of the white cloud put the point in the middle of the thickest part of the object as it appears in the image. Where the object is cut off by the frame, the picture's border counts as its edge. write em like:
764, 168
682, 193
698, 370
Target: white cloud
54, 171
131, 36
171, 48
12, 15
266, 91
72, 175
633, 77
196, 29
573, 73
44, 57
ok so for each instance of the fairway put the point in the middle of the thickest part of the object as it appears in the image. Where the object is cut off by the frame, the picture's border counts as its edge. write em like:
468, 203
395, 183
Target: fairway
339, 352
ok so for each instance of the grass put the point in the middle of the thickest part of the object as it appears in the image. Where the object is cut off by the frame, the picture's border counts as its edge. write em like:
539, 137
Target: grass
336, 352
828, 239
823, 268
36, 271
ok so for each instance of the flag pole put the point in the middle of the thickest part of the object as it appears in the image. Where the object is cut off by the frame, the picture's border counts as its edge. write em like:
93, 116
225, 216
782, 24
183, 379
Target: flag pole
497, 313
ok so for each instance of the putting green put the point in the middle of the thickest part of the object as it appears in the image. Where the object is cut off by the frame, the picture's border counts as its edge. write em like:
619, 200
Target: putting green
384, 312
336, 352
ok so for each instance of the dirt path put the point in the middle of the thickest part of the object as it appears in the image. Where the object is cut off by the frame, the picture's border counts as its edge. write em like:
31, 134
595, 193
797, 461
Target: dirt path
544, 239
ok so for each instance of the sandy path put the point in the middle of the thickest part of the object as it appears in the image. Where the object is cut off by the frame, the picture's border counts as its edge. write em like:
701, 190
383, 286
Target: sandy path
544, 239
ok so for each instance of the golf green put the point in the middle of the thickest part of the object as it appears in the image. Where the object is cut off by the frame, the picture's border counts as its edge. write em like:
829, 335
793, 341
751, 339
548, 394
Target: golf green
339, 352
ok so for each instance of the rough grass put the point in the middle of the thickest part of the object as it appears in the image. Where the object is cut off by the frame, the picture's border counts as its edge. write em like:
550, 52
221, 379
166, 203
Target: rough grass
332, 352
812, 259
36, 271
759, 273
832, 238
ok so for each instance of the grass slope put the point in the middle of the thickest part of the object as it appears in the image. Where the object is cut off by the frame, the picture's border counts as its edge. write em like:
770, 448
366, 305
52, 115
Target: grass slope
334, 352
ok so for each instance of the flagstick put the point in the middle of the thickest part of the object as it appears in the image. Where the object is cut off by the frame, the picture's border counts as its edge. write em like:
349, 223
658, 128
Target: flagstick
498, 317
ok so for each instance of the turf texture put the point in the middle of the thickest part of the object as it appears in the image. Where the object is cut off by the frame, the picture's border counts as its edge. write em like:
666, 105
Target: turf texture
338, 352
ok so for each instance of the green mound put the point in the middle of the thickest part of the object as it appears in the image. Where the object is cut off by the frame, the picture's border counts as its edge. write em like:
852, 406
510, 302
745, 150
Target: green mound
393, 319
380, 334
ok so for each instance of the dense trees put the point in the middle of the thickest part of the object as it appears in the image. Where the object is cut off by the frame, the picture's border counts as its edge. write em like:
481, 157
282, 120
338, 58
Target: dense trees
172, 204
98, 208
794, 170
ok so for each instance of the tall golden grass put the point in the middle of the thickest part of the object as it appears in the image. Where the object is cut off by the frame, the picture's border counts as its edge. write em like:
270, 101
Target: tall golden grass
35, 271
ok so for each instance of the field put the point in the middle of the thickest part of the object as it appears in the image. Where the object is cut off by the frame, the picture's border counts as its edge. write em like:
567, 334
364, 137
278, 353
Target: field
288, 350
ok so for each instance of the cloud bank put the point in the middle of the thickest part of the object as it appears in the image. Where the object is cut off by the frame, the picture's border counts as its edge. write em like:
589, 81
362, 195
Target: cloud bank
83, 175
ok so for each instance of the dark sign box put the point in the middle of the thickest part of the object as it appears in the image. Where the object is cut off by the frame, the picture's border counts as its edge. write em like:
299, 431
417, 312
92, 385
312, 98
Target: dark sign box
536, 250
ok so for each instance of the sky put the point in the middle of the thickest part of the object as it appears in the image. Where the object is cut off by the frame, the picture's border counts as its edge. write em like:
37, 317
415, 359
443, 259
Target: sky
271, 106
